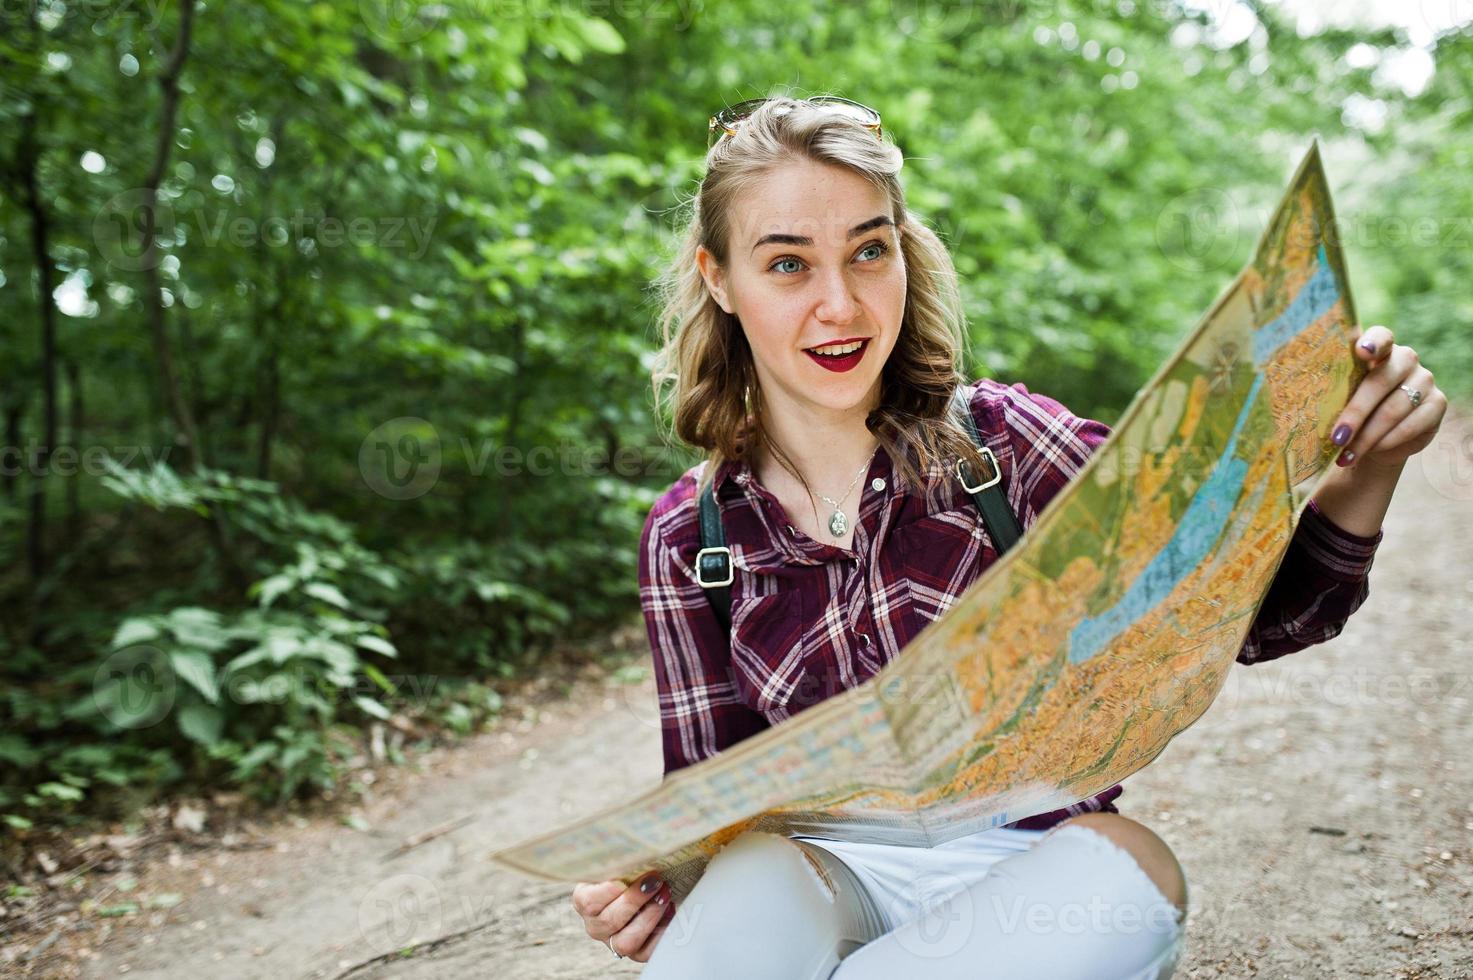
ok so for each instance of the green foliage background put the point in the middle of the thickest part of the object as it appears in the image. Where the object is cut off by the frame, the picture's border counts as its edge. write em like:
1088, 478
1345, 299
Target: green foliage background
393, 239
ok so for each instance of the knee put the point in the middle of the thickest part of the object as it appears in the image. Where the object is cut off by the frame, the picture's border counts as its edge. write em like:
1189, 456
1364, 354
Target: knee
1150, 852
765, 857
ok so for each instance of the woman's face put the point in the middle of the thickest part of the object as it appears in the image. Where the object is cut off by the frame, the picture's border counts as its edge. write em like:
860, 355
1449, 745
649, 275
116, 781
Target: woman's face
814, 260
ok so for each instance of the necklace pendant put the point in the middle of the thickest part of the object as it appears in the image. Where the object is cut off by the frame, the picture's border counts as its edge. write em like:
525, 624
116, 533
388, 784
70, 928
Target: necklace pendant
838, 523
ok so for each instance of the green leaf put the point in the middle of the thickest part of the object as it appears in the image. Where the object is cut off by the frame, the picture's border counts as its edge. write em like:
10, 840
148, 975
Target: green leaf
377, 644
600, 35
60, 791
327, 593
254, 759
197, 627
120, 909
378, 677
371, 707
15, 751
270, 589
133, 631
202, 723
197, 670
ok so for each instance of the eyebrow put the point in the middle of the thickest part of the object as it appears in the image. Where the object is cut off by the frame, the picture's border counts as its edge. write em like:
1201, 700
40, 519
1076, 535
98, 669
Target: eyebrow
804, 241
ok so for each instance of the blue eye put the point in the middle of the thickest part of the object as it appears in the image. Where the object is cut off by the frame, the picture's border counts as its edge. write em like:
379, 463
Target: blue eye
880, 249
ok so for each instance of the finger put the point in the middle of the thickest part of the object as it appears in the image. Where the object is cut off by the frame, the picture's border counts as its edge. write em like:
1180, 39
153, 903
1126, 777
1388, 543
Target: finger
1423, 419
1374, 344
617, 914
591, 898
648, 949
633, 936
1373, 388
1387, 415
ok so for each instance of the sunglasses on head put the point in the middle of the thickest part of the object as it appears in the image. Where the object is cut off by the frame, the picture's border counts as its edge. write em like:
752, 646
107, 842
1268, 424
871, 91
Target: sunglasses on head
725, 122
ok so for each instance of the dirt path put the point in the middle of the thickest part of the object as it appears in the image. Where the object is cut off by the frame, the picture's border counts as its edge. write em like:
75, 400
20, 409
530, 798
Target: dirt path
1323, 811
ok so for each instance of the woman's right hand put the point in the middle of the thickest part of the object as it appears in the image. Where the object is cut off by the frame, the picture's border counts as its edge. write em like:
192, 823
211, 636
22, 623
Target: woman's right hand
627, 919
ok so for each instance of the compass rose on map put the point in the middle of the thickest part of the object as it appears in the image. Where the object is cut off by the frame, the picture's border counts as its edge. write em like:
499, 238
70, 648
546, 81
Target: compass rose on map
1220, 372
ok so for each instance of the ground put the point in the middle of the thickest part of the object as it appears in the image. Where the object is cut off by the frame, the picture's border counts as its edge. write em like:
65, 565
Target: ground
1322, 810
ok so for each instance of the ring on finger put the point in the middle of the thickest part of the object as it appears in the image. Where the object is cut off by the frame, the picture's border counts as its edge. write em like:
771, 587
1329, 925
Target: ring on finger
610, 943
1413, 394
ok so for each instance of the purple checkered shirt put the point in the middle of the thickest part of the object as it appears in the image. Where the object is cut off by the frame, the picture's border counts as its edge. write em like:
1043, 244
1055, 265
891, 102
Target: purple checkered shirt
811, 619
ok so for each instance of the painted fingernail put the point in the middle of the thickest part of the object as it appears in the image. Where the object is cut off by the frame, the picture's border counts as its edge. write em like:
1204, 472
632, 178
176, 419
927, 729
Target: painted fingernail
1369, 345
649, 885
1341, 435
662, 898
1346, 458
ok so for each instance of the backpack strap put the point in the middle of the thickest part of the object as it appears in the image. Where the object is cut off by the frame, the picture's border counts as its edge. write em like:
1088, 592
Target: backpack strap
1002, 524
714, 569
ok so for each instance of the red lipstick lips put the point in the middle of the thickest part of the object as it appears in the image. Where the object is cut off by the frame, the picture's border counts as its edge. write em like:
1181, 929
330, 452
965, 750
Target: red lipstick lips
844, 363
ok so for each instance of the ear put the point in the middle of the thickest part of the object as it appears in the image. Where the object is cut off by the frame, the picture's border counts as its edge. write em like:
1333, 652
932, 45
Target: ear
711, 271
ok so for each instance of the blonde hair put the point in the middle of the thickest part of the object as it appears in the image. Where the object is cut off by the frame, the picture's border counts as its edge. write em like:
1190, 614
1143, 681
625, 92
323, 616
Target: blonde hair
703, 372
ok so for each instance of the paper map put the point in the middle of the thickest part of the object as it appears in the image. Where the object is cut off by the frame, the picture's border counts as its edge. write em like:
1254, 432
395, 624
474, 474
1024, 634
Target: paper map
1106, 630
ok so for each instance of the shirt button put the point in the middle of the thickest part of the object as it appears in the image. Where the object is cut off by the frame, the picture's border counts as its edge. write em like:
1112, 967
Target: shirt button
865, 638
878, 483
792, 529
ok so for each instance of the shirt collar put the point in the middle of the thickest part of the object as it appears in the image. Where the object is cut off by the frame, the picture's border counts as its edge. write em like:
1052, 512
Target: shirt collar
737, 471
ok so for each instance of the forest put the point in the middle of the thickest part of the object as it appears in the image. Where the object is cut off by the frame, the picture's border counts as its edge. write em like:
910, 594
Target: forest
325, 400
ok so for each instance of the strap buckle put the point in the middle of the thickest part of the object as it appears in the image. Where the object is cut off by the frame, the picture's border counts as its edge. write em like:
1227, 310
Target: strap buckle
995, 479
721, 557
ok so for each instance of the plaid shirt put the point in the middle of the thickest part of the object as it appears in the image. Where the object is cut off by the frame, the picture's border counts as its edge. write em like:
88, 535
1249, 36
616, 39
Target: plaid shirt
811, 619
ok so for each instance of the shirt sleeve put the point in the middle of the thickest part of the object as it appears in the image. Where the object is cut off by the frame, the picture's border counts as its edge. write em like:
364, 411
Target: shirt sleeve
1323, 579
700, 711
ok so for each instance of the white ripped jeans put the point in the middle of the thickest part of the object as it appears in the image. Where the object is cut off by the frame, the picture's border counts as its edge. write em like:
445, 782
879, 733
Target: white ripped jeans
1066, 904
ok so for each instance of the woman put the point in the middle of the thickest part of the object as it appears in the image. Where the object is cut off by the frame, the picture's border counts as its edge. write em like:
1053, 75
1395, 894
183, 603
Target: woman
813, 332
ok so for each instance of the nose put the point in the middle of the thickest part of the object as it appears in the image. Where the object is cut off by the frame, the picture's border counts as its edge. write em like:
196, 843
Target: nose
836, 303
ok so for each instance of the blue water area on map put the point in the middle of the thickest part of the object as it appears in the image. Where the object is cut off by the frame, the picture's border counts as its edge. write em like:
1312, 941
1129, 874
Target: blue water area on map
1192, 543
1311, 302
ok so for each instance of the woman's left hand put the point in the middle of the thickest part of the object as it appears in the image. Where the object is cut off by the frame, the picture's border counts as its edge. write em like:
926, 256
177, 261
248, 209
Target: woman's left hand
1382, 423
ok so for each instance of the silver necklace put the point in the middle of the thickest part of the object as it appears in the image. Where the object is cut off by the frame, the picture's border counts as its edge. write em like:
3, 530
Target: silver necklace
838, 522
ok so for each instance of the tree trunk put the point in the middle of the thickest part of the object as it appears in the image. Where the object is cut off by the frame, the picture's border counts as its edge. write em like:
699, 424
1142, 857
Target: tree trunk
14, 451
74, 439
163, 351
46, 311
